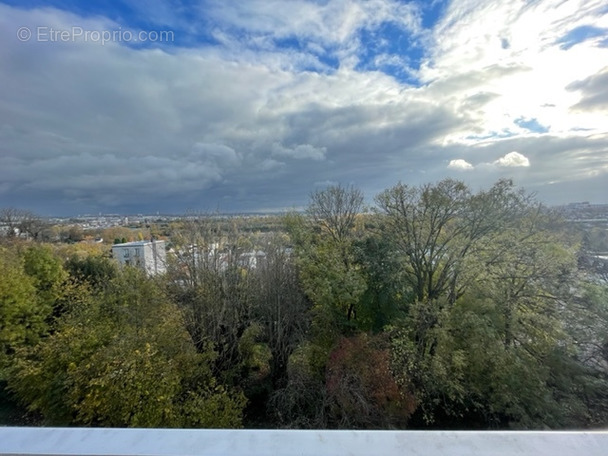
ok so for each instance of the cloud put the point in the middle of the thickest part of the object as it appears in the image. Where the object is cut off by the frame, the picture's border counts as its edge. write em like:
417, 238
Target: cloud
318, 36
510, 160
215, 155
269, 164
460, 164
468, 56
327, 22
513, 160
113, 126
269, 102
593, 90
299, 152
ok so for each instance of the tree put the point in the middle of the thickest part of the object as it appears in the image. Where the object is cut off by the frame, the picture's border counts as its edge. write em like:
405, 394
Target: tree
491, 276
302, 402
387, 295
20, 222
23, 316
436, 227
123, 358
478, 295
362, 392
94, 269
333, 283
40, 263
424, 222
9, 219
33, 226
335, 209
72, 234
213, 287
529, 272
31, 289
280, 306
439, 231
324, 248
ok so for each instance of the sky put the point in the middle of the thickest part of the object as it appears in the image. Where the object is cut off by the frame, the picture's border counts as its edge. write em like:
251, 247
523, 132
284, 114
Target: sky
170, 106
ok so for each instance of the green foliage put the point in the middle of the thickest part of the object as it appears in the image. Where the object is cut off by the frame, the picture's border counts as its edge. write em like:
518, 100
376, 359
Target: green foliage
23, 315
437, 228
123, 358
95, 270
256, 357
331, 281
325, 252
40, 263
46, 270
471, 375
387, 295
535, 383
486, 340
334, 283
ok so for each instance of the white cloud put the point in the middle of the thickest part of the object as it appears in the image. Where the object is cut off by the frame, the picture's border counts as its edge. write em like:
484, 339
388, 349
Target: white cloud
460, 164
513, 160
333, 23
510, 160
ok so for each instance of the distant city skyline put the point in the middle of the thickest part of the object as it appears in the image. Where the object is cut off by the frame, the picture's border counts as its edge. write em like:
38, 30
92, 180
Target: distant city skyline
137, 216
130, 107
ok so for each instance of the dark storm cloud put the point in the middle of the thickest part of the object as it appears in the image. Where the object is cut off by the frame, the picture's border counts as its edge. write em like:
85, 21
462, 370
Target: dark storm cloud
112, 126
594, 92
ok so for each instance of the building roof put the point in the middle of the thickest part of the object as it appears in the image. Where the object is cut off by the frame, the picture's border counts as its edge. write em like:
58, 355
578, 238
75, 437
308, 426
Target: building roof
136, 243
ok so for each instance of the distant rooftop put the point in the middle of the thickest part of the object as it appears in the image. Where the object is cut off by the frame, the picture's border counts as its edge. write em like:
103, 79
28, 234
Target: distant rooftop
136, 243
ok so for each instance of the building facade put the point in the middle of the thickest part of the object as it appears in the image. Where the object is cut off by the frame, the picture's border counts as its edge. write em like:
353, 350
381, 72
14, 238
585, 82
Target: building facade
149, 256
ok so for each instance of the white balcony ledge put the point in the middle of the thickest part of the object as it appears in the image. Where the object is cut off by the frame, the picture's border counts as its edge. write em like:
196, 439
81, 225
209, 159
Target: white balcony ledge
174, 442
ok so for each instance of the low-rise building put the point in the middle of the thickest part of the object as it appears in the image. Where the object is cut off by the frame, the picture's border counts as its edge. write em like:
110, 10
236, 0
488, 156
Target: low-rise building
147, 255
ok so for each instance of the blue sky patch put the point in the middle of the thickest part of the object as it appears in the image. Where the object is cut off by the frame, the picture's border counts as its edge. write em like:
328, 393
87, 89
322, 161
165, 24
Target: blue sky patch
531, 124
432, 12
175, 18
580, 34
118, 11
389, 48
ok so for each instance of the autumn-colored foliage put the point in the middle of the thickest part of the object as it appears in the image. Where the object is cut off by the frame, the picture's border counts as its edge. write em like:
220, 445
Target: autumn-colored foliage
361, 389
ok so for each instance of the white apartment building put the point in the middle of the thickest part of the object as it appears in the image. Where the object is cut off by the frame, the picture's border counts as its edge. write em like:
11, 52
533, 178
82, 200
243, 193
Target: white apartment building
147, 255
